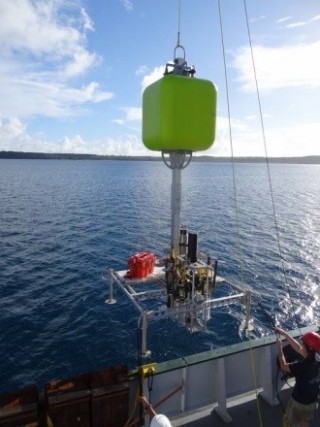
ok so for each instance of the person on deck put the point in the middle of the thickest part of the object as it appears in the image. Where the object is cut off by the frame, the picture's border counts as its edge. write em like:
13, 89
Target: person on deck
157, 420
304, 399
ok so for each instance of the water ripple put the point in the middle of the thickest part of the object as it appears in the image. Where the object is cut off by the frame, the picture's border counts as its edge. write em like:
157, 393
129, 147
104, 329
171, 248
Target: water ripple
64, 222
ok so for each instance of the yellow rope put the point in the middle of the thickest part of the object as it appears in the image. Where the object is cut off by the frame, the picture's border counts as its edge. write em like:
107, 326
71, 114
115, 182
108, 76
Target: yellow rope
236, 205
285, 421
134, 408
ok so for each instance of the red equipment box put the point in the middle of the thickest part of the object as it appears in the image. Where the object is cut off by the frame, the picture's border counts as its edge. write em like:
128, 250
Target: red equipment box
140, 265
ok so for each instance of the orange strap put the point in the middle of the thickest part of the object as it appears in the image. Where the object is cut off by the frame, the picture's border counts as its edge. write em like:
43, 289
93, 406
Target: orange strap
132, 424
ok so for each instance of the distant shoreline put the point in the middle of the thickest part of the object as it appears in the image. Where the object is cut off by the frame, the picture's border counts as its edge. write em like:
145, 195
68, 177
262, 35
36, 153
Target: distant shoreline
71, 156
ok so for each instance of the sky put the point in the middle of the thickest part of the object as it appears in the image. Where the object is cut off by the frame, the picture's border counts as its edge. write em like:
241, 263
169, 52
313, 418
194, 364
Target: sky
72, 72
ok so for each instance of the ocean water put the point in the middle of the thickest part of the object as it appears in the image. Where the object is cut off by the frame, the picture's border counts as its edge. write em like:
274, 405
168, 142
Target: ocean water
64, 222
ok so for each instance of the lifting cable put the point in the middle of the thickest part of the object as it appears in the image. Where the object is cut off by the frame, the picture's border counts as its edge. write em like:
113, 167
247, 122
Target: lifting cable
179, 24
239, 247
276, 226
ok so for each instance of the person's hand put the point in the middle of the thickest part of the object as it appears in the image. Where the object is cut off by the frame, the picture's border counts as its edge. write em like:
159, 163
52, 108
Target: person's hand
143, 399
278, 341
278, 330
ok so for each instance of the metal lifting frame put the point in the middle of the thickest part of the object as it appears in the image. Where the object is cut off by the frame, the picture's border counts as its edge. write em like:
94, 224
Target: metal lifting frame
127, 286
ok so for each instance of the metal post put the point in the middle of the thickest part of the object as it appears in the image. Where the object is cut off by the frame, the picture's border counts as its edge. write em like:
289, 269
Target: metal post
184, 373
175, 207
221, 408
111, 300
176, 161
143, 324
247, 309
206, 312
269, 378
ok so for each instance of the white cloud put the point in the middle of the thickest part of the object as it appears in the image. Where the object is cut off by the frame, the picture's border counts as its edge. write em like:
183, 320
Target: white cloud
300, 139
87, 21
81, 61
14, 136
124, 145
303, 23
11, 129
127, 4
286, 18
258, 19
41, 28
284, 66
25, 97
244, 139
120, 122
92, 93
74, 145
297, 24
252, 117
143, 69
155, 75
43, 47
133, 113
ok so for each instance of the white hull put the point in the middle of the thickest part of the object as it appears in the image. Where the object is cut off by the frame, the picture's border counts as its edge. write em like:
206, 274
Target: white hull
214, 380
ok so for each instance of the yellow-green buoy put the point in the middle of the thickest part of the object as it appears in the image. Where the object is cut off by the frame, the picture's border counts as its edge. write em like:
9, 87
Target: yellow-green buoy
179, 114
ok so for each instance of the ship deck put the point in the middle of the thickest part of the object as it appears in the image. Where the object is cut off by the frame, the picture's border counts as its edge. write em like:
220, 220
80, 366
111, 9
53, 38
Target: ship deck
244, 413
219, 388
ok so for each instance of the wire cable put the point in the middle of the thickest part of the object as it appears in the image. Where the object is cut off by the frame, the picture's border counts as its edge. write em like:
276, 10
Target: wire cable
239, 245
179, 23
268, 164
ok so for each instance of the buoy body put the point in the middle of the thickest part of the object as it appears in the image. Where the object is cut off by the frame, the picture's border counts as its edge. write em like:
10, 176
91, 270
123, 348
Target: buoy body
179, 114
